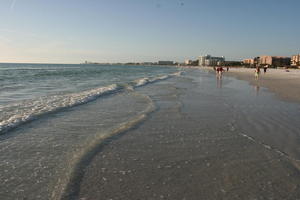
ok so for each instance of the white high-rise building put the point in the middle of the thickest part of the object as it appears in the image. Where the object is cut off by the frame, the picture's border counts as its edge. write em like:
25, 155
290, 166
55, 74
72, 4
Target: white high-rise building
209, 60
188, 62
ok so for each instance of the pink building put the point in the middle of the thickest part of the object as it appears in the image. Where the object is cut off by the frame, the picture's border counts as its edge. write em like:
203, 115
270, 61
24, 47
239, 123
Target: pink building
276, 61
249, 61
295, 60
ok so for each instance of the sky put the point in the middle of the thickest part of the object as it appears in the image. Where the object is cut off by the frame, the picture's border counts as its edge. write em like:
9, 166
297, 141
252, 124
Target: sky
72, 31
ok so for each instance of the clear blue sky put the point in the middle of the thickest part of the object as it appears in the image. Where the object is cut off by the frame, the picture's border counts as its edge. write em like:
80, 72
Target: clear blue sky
71, 31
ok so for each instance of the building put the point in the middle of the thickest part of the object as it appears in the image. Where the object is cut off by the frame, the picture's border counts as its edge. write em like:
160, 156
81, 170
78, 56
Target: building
248, 61
295, 61
209, 60
188, 62
251, 61
233, 63
256, 60
265, 60
276, 61
161, 62
202, 60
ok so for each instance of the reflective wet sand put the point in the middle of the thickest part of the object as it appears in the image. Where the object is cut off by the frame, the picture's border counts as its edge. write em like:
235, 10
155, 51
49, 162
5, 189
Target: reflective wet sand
208, 139
38, 159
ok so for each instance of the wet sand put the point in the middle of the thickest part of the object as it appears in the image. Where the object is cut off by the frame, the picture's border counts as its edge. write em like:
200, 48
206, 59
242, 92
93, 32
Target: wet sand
207, 139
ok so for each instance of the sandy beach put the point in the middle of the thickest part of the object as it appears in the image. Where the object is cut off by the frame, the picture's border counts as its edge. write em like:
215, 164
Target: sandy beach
284, 83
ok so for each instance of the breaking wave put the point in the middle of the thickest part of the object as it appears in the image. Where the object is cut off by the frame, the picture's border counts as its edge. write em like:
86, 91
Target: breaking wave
144, 81
16, 114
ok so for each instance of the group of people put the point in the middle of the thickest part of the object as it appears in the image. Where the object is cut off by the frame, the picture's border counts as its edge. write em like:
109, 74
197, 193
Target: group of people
219, 70
257, 71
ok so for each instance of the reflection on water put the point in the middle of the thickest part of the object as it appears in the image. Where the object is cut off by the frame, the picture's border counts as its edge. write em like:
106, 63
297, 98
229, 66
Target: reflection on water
256, 87
219, 81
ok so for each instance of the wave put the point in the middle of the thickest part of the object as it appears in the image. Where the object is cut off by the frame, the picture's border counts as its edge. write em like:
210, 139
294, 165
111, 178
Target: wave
16, 114
144, 81
69, 184
25, 111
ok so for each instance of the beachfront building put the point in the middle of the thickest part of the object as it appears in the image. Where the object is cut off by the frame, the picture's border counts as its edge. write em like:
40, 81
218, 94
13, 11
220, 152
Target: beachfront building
209, 60
188, 62
248, 61
251, 61
295, 61
275, 61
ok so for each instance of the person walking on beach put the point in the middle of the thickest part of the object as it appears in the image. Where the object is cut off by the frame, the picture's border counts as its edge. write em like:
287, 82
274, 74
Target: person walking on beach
265, 68
227, 68
219, 72
257, 72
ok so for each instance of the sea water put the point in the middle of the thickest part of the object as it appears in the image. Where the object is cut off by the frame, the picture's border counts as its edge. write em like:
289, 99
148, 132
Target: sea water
30, 90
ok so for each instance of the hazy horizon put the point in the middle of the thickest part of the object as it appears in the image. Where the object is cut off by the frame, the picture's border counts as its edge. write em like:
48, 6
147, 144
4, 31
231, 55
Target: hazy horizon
113, 31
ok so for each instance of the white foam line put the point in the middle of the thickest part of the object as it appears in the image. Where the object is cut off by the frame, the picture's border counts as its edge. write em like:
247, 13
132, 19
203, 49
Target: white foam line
19, 113
248, 137
64, 186
283, 154
31, 110
145, 81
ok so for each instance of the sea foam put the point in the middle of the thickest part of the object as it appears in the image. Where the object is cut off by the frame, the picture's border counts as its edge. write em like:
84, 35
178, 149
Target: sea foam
15, 114
144, 81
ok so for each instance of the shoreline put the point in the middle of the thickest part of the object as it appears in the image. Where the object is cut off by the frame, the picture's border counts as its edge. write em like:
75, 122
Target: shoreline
285, 85
208, 138
203, 142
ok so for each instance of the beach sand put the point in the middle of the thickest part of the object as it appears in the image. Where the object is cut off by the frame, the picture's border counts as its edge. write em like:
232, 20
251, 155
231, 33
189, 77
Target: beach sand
284, 83
207, 139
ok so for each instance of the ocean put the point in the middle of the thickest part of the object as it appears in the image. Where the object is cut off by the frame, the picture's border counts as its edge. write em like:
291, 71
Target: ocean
30, 90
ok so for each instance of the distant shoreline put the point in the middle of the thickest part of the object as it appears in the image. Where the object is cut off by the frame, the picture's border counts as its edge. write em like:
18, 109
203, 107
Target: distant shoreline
95, 64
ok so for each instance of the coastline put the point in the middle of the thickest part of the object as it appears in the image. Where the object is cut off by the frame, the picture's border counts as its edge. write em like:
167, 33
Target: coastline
203, 142
285, 85
203, 138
